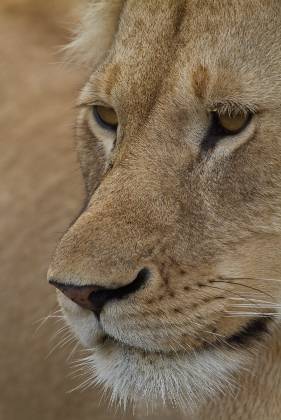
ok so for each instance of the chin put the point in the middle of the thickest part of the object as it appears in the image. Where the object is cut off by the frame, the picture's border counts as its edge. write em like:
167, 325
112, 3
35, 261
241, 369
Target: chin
134, 374
183, 380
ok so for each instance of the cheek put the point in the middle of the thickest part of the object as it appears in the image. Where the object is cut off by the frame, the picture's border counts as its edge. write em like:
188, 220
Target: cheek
82, 323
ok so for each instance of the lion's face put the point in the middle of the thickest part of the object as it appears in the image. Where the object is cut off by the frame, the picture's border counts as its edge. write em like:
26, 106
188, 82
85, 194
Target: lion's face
184, 190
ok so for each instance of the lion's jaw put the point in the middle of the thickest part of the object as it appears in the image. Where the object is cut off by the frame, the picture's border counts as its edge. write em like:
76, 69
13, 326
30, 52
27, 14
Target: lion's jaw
203, 218
136, 370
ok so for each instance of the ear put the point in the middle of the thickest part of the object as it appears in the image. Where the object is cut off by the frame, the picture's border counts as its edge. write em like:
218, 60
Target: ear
95, 32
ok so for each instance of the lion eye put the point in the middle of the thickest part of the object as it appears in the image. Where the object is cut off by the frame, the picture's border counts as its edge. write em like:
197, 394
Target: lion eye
224, 125
232, 124
105, 117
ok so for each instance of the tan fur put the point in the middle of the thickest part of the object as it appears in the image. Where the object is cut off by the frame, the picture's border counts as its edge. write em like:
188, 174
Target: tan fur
206, 223
95, 32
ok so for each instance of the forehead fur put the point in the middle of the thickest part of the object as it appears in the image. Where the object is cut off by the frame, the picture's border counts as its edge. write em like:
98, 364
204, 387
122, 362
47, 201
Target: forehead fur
165, 47
100, 20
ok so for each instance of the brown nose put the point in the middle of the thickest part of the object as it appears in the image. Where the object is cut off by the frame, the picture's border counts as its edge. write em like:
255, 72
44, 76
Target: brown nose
95, 297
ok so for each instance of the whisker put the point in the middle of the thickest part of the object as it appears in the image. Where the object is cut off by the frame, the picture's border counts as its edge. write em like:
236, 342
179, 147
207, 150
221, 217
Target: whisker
47, 316
73, 351
209, 332
244, 285
256, 314
59, 332
42, 321
253, 278
68, 339
254, 300
257, 305
84, 385
229, 292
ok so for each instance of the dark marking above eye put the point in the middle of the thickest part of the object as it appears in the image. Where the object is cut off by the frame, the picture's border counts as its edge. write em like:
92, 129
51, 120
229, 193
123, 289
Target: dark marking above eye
200, 81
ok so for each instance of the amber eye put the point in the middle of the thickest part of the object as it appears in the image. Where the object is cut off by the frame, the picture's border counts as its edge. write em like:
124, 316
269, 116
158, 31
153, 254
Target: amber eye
224, 125
105, 117
233, 124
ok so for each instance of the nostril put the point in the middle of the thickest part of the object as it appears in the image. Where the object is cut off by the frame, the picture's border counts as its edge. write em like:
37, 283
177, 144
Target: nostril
78, 294
99, 297
95, 297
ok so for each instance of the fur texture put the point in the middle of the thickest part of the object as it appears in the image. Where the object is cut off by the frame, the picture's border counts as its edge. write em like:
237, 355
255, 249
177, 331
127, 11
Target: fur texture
94, 35
202, 216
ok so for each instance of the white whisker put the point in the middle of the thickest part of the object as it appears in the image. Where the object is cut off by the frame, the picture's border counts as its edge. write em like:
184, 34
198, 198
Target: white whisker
73, 351
253, 278
257, 305
252, 300
61, 330
42, 321
257, 314
68, 339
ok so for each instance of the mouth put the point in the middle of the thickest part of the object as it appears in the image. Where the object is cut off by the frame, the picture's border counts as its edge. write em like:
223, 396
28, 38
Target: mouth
136, 374
255, 330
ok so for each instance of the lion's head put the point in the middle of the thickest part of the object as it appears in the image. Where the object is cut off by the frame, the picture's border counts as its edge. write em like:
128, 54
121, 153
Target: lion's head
173, 263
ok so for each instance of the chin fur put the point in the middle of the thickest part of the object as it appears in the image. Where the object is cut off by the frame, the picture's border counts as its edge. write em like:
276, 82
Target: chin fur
181, 380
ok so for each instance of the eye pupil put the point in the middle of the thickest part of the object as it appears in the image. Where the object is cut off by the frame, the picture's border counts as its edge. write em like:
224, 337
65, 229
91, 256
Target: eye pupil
106, 117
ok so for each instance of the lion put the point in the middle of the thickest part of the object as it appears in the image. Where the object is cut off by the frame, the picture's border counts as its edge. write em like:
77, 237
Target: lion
170, 275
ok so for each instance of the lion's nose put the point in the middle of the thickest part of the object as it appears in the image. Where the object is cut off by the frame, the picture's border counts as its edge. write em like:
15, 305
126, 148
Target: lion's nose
94, 297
